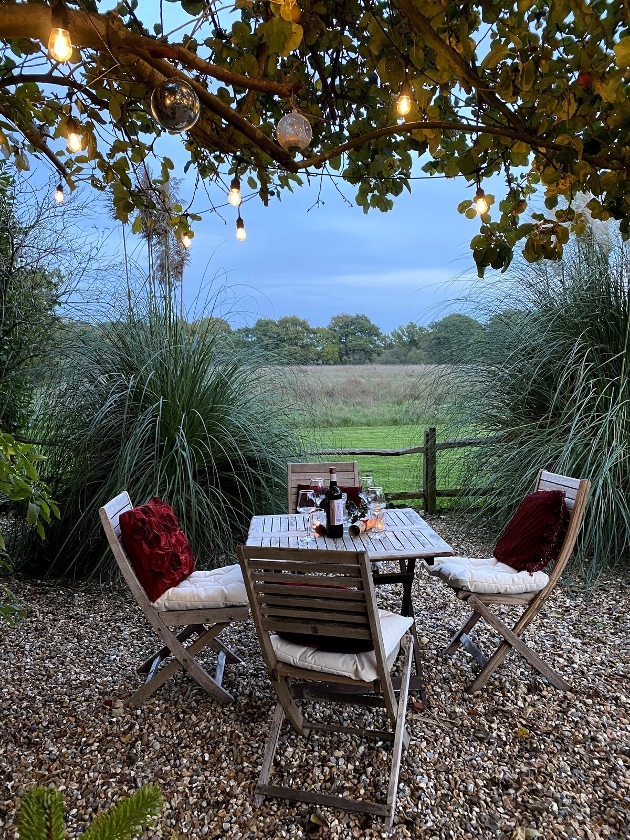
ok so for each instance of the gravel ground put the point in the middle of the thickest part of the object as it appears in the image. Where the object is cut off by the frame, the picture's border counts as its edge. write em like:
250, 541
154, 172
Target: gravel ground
519, 761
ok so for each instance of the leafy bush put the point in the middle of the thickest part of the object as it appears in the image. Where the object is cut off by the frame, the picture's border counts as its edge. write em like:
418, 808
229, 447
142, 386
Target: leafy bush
20, 484
41, 815
556, 391
151, 406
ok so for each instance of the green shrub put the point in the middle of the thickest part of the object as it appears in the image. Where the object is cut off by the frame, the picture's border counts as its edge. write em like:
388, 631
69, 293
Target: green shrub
556, 392
156, 408
21, 486
41, 815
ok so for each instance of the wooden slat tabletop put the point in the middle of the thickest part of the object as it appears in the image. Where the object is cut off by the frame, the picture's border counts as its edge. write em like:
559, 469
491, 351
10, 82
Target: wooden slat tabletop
408, 536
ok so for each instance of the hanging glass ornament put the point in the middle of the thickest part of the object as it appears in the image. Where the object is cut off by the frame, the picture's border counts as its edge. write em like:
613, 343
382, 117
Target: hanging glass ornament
175, 105
294, 131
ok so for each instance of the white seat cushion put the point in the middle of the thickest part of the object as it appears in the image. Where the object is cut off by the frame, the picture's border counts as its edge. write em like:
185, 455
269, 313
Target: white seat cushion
357, 666
218, 588
487, 576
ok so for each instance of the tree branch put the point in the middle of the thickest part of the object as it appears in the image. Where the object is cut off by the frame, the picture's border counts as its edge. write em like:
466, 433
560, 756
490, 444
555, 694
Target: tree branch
33, 136
421, 125
50, 79
466, 74
104, 32
218, 107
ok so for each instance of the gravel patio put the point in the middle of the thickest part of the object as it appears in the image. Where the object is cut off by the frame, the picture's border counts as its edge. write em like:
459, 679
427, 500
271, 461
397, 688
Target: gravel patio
519, 761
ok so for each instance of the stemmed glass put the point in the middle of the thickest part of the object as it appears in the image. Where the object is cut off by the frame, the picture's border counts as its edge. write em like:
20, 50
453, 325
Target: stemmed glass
306, 505
377, 509
366, 482
318, 491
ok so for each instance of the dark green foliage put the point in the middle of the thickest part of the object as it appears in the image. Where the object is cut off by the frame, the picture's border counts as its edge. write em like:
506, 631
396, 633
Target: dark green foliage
291, 339
41, 815
358, 339
556, 389
159, 409
29, 295
455, 339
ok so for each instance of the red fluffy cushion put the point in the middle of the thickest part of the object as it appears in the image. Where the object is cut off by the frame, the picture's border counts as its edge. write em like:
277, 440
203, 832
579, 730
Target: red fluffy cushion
156, 547
534, 535
351, 492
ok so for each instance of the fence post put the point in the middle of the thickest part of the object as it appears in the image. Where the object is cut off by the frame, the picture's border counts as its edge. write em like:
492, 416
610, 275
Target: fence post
429, 471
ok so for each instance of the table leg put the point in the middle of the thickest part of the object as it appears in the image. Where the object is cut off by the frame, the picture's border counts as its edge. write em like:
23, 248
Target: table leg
406, 578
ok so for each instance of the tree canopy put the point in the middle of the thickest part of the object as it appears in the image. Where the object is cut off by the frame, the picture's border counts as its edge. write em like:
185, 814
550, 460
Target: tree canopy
534, 90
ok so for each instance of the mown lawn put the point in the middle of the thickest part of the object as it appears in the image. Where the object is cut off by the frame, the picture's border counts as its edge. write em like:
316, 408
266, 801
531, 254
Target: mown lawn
377, 407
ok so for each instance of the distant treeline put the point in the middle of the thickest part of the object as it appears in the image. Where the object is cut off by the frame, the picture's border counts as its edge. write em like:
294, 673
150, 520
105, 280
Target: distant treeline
355, 340
351, 339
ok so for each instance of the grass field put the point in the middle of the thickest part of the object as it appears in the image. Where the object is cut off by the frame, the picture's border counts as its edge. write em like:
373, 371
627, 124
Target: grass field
375, 407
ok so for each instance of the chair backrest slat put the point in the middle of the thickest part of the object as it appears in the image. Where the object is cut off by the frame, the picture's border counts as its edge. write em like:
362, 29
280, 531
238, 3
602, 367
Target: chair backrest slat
115, 507
347, 476
576, 492
110, 519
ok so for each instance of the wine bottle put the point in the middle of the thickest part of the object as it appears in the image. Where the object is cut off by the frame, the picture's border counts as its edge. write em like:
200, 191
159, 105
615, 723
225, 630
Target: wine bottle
333, 505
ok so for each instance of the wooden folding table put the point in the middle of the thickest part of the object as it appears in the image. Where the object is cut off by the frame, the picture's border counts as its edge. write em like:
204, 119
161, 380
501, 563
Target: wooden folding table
408, 538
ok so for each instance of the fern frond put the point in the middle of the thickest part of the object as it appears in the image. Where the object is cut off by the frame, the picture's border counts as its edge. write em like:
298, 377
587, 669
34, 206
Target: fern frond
128, 816
41, 815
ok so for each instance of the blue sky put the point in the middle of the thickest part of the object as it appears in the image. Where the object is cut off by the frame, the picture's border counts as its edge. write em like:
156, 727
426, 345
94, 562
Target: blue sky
318, 261
394, 267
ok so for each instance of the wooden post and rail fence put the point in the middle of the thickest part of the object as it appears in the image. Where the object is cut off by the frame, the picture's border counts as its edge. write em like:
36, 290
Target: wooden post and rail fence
429, 492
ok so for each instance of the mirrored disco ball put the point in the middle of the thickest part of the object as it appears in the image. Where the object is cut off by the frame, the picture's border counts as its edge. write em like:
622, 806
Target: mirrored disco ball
175, 105
294, 131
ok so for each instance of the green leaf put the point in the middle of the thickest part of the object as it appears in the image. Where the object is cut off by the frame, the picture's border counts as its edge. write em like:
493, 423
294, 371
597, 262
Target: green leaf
497, 53
193, 7
622, 52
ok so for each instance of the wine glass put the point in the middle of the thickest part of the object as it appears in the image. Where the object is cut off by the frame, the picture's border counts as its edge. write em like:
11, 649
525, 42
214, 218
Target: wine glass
377, 510
366, 482
306, 505
318, 491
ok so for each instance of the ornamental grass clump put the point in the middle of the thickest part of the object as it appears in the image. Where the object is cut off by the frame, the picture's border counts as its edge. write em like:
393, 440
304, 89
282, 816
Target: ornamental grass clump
157, 408
555, 392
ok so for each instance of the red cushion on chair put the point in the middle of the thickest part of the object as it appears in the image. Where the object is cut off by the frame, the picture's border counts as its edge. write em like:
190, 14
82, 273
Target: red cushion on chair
534, 535
156, 546
351, 492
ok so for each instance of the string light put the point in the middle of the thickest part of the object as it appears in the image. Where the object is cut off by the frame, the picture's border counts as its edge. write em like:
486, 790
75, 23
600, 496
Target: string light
481, 202
73, 136
59, 194
59, 42
403, 106
241, 235
234, 196
186, 240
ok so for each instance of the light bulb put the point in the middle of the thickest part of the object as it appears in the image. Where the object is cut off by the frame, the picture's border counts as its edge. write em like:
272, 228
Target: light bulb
186, 240
234, 196
74, 141
59, 44
241, 235
59, 194
403, 106
481, 202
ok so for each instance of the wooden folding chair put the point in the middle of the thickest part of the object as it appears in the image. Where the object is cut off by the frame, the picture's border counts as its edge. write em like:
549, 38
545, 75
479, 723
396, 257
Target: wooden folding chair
328, 593
576, 493
195, 621
347, 476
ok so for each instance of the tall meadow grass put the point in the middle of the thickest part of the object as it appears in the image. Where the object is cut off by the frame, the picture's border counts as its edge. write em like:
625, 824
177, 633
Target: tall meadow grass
556, 392
155, 407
